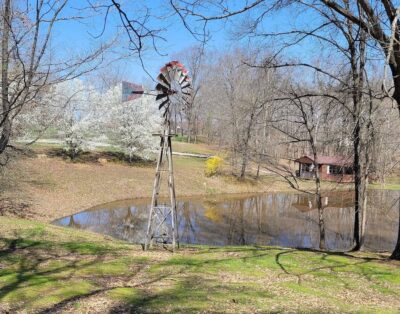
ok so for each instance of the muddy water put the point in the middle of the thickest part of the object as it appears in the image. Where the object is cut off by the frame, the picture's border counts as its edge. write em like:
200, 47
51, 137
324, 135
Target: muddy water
281, 219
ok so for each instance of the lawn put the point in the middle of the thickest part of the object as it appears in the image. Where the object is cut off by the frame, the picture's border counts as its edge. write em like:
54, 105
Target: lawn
183, 147
44, 268
391, 183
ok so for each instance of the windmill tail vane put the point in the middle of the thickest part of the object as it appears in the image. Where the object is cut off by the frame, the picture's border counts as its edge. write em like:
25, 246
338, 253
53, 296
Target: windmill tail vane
173, 88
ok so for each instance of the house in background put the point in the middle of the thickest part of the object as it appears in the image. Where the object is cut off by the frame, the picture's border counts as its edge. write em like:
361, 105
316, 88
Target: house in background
330, 168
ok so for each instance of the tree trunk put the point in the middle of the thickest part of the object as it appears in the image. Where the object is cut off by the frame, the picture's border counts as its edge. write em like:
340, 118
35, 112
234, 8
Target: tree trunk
244, 165
357, 189
245, 154
396, 82
5, 121
396, 252
180, 116
189, 130
321, 222
358, 166
258, 171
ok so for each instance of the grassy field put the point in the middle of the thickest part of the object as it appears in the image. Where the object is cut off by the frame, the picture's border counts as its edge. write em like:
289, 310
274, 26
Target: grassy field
391, 183
49, 269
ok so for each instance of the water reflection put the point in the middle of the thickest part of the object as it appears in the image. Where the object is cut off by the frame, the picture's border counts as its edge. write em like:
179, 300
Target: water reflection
282, 219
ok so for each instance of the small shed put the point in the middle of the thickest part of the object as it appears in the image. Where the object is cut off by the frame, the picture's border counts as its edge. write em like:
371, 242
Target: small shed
330, 168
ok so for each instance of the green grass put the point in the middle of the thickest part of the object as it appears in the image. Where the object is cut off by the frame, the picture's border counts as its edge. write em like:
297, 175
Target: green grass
44, 267
391, 183
183, 147
386, 186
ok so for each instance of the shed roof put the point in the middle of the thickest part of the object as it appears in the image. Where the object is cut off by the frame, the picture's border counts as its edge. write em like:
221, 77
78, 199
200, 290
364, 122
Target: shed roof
326, 160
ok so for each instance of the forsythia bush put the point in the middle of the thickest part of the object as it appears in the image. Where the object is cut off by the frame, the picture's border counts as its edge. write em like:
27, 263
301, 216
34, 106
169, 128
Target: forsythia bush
213, 164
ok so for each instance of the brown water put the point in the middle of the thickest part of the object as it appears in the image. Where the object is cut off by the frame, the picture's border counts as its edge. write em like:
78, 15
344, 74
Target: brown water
282, 219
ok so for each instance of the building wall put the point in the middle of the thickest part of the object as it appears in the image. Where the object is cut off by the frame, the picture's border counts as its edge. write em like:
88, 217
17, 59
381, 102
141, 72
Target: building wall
323, 171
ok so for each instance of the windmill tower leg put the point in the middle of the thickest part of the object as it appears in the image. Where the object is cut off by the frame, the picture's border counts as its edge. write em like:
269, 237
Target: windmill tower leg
171, 186
156, 190
158, 224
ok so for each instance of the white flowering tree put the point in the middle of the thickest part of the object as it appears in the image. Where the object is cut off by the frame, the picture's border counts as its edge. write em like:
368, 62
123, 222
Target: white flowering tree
78, 118
67, 108
81, 115
133, 123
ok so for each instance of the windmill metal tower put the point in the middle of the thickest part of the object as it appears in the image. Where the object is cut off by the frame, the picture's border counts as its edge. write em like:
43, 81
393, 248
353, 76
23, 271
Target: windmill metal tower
174, 90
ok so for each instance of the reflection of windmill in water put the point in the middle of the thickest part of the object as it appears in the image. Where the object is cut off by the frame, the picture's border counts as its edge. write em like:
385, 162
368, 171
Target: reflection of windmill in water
174, 90
72, 223
128, 223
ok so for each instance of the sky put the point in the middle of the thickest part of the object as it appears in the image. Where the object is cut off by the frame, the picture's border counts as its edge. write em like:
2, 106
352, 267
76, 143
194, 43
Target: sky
77, 36
74, 37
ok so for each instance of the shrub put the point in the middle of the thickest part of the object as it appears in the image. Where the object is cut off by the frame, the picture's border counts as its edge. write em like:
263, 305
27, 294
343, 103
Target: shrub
213, 165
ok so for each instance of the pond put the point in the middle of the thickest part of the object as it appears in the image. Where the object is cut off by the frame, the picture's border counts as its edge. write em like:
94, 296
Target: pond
281, 219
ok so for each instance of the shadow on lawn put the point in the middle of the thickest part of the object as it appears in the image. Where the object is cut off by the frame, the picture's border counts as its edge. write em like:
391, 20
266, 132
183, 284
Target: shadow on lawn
189, 291
29, 257
333, 266
28, 275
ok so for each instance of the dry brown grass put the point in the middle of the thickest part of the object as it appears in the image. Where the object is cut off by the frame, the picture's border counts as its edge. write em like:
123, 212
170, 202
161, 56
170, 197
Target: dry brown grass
49, 186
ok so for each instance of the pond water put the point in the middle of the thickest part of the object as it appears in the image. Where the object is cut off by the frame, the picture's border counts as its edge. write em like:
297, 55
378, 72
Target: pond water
282, 219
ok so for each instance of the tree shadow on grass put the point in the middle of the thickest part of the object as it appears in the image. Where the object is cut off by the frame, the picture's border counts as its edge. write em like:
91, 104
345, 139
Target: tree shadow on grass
195, 276
333, 264
30, 271
193, 293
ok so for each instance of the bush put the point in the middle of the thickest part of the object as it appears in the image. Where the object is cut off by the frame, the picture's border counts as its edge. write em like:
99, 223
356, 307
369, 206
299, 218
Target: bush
213, 165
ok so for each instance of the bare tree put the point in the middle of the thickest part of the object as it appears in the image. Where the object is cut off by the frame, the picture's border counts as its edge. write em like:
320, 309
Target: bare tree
192, 58
307, 113
236, 98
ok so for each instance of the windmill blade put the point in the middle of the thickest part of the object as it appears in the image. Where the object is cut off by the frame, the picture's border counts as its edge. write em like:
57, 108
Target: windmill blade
185, 85
164, 71
177, 75
168, 74
163, 104
163, 81
182, 79
162, 89
161, 96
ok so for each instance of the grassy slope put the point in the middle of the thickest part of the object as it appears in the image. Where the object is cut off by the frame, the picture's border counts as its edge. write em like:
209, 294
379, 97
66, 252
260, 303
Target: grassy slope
47, 268
48, 187
392, 183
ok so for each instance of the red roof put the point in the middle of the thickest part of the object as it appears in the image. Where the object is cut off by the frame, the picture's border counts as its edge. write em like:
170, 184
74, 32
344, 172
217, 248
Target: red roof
326, 160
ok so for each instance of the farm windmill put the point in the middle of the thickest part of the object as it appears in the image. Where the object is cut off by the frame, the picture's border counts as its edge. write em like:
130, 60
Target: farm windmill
174, 90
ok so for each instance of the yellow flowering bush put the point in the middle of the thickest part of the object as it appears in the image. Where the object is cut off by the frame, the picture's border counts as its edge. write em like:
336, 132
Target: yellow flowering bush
213, 165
